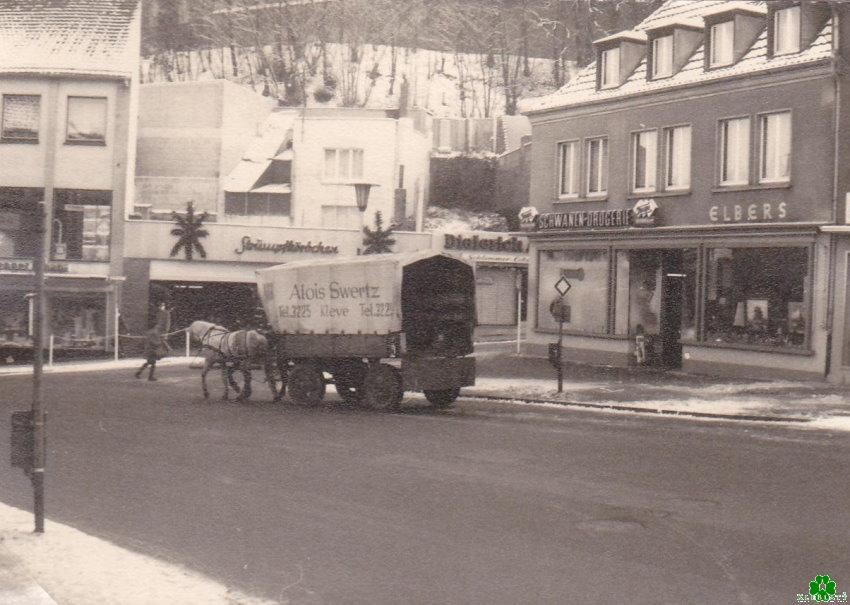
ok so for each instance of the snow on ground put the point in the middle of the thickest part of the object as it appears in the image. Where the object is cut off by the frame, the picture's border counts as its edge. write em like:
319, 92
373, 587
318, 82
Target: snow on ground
785, 399
78, 569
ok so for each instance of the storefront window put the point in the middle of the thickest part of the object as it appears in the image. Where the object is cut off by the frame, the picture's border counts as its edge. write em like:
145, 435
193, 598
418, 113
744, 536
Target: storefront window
653, 287
757, 296
587, 299
83, 225
17, 221
14, 319
78, 321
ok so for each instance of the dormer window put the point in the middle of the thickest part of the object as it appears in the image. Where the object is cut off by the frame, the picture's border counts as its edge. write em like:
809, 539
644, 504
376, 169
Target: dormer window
786, 31
610, 69
662, 57
722, 43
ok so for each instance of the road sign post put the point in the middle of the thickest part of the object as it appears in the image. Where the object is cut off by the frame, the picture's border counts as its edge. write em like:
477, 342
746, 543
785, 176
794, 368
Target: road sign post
561, 312
37, 474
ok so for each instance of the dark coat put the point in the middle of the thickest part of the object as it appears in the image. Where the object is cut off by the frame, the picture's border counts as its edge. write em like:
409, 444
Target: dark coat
154, 344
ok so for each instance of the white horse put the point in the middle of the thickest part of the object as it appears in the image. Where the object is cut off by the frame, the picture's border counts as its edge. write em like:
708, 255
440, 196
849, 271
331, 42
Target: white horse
230, 351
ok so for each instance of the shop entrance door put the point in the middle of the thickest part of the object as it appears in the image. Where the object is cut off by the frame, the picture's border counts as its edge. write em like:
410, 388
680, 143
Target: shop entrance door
672, 288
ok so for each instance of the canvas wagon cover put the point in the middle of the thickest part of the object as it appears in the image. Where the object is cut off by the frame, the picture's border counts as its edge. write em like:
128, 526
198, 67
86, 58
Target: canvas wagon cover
336, 296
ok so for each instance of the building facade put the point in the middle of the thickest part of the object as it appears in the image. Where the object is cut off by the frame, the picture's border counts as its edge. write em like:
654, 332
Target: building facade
68, 94
688, 189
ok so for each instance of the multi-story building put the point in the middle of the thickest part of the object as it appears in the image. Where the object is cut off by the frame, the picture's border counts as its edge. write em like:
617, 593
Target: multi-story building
691, 186
68, 85
273, 185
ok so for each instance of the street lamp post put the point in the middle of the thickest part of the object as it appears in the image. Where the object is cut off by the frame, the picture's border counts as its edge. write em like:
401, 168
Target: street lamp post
361, 193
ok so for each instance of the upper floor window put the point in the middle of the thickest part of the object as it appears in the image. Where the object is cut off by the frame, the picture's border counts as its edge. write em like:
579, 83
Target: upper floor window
21, 117
567, 169
343, 164
644, 163
610, 74
735, 151
662, 57
722, 43
786, 31
677, 160
597, 166
86, 121
775, 148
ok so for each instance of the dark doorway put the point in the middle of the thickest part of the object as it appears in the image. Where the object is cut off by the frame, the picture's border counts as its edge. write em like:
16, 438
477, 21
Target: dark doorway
231, 305
673, 278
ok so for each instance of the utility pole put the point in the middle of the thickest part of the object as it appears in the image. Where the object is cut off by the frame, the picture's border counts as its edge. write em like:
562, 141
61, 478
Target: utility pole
37, 475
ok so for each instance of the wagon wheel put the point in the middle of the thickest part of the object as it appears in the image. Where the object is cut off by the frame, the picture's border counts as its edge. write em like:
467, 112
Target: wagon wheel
348, 380
276, 377
306, 384
382, 387
443, 398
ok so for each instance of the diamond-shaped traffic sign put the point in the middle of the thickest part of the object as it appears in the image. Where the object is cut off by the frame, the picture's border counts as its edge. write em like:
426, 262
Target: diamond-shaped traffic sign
563, 286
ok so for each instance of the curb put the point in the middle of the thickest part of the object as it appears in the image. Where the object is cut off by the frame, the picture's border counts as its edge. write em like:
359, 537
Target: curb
640, 410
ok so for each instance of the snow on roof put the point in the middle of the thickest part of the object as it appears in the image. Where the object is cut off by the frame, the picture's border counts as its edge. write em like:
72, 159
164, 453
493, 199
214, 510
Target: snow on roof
728, 7
90, 37
637, 36
582, 90
675, 21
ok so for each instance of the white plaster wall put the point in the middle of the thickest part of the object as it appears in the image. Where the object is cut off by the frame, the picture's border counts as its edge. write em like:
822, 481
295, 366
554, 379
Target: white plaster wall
86, 166
22, 164
375, 135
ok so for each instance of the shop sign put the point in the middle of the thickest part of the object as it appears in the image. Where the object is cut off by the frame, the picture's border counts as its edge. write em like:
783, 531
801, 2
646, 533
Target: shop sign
644, 212
528, 218
584, 219
498, 244
26, 265
741, 213
290, 246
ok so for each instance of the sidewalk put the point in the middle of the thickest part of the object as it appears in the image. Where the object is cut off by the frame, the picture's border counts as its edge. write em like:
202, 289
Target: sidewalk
64, 566
92, 365
504, 376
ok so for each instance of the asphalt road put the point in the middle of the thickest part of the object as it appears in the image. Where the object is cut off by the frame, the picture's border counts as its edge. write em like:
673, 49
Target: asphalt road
484, 503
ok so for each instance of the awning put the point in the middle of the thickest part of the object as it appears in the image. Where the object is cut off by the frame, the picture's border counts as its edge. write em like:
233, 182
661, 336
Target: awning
246, 174
274, 188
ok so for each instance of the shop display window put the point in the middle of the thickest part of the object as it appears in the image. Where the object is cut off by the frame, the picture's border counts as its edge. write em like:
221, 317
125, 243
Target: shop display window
587, 272
82, 225
14, 319
17, 221
757, 296
654, 286
78, 321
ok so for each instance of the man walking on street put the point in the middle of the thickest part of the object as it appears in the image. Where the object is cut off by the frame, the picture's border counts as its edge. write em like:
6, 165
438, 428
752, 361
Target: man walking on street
155, 348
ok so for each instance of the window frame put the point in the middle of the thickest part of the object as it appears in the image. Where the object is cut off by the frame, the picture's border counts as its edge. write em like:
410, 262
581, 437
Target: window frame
775, 27
655, 56
603, 168
713, 61
575, 192
26, 140
96, 142
762, 155
667, 157
336, 178
606, 67
722, 152
651, 159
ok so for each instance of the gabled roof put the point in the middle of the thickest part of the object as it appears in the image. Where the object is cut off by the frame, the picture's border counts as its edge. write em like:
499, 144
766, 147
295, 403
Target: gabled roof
581, 90
77, 37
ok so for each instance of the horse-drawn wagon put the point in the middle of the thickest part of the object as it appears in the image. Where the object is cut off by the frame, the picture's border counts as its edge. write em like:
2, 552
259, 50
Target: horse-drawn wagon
377, 325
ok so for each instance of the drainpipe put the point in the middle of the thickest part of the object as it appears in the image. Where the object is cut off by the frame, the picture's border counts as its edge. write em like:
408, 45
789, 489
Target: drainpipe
837, 65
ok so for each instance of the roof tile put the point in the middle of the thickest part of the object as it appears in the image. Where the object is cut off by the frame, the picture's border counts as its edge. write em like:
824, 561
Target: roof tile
582, 90
69, 36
